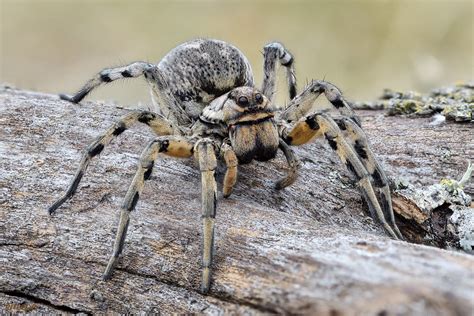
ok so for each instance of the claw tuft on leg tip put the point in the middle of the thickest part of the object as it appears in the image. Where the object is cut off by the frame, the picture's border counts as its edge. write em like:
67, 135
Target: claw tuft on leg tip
204, 289
66, 97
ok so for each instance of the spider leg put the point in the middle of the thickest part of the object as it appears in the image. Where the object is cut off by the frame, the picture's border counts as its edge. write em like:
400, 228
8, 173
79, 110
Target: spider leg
294, 164
107, 75
318, 124
231, 162
158, 123
170, 145
302, 104
273, 52
205, 152
366, 156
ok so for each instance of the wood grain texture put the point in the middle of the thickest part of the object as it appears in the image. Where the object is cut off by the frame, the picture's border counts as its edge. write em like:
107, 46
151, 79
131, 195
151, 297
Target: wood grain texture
310, 248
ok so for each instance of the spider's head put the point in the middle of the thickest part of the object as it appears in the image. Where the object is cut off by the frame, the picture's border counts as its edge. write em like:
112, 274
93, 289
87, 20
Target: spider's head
245, 104
248, 114
242, 104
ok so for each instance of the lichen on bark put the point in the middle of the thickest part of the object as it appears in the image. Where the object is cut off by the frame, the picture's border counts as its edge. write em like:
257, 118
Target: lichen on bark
455, 103
440, 214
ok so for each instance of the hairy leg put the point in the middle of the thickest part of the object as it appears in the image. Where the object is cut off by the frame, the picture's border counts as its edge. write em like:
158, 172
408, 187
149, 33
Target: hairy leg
303, 103
293, 163
107, 75
158, 123
322, 125
366, 156
170, 145
205, 152
232, 163
272, 53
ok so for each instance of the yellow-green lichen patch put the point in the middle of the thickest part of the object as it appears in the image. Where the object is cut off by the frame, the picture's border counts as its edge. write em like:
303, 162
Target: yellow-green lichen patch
455, 103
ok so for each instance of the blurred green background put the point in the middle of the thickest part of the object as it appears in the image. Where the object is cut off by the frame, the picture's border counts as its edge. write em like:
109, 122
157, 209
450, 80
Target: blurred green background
361, 46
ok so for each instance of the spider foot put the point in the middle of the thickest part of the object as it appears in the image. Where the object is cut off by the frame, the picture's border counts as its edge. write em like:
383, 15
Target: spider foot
66, 97
206, 280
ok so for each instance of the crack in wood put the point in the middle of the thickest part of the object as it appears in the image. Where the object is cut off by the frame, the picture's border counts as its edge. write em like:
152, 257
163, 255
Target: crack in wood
38, 300
222, 296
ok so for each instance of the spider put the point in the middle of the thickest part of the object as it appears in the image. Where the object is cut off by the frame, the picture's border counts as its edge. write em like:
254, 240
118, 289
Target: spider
207, 106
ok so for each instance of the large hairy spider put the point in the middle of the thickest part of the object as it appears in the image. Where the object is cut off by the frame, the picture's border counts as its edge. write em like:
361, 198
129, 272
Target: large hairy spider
208, 107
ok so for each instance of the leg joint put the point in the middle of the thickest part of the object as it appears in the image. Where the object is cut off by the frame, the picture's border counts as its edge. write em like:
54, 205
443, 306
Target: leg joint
312, 122
145, 117
119, 128
148, 170
205, 149
280, 52
104, 77
95, 149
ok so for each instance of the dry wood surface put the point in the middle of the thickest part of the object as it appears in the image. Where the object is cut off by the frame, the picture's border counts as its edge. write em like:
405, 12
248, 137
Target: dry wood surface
308, 249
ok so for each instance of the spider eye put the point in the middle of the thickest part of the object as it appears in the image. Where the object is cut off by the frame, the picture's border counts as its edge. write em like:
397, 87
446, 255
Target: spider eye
258, 98
243, 101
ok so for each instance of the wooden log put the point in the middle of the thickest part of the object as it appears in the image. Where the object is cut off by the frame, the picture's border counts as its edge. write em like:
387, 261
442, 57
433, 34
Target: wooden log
308, 249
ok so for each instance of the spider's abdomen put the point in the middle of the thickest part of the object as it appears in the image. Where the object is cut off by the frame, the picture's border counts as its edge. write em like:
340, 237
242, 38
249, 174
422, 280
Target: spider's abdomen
254, 140
200, 70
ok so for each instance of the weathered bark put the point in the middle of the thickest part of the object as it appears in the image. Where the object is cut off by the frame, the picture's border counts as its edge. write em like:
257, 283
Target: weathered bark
310, 248
422, 153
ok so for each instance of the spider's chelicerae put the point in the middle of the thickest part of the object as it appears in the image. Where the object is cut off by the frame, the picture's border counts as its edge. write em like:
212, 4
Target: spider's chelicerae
208, 107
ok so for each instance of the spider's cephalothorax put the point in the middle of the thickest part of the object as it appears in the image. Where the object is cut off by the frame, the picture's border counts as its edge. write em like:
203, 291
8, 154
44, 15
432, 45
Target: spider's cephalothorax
248, 116
208, 107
